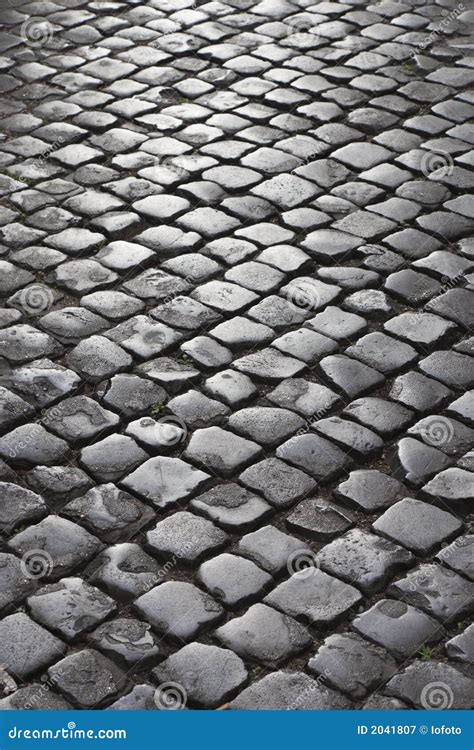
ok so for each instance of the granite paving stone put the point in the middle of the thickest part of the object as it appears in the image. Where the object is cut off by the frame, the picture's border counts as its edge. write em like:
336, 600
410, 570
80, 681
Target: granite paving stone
267, 426
415, 462
70, 324
417, 525
185, 537
79, 419
232, 507
124, 570
382, 352
127, 640
457, 555
319, 457
96, 358
411, 685
304, 397
54, 547
19, 506
130, 395
24, 343
109, 459
108, 512
272, 550
23, 699
318, 519
58, 483
234, 388
462, 407
317, 599
70, 607
416, 391
282, 485
233, 580
364, 560
451, 368
140, 698
369, 490
291, 691
352, 665
383, 417
452, 486
87, 678
437, 591
178, 610
236, 262
264, 635
449, 435
210, 675
220, 451
164, 480
398, 627
351, 437
349, 375
31, 444
461, 646
15, 584
26, 646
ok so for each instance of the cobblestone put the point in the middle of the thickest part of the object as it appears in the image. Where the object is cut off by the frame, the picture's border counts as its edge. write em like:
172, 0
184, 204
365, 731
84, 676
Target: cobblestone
399, 627
236, 262
221, 673
352, 664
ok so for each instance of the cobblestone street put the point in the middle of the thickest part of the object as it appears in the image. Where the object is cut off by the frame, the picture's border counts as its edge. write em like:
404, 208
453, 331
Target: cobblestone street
236, 354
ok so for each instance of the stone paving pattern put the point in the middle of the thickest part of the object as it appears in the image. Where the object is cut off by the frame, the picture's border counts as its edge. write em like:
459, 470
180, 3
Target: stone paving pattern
237, 243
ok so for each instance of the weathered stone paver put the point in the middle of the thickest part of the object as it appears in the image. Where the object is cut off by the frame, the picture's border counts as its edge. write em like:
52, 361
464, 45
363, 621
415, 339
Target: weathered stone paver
236, 354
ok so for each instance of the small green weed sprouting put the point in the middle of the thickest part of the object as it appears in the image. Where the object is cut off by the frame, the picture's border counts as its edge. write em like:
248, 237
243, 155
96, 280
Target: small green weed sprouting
426, 652
156, 409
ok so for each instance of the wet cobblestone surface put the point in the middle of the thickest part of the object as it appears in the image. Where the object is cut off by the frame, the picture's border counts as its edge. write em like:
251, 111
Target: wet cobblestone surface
236, 354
